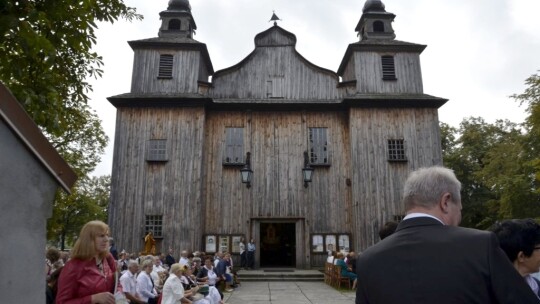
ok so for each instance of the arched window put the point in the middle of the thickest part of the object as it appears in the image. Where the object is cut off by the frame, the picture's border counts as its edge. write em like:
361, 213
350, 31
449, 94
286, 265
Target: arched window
174, 24
378, 26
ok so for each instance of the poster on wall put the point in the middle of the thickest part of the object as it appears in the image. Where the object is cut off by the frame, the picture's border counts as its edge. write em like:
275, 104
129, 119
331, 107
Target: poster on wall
344, 243
330, 242
317, 243
224, 243
236, 244
210, 243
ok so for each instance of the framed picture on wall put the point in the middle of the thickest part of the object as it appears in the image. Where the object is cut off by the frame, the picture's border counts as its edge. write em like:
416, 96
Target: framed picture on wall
236, 244
330, 241
210, 243
344, 245
224, 243
317, 244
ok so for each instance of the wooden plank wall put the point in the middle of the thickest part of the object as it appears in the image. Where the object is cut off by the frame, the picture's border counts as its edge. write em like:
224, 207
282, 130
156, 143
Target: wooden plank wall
277, 141
377, 183
172, 188
187, 70
300, 80
368, 69
349, 73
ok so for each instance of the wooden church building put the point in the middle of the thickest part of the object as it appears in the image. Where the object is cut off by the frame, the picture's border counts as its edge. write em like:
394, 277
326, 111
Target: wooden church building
275, 148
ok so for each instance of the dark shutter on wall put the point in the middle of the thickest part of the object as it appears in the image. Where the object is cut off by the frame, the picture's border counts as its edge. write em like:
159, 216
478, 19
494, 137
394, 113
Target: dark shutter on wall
234, 146
165, 66
388, 68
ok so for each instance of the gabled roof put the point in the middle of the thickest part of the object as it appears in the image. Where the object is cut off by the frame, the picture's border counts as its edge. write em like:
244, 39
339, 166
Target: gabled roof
267, 39
12, 113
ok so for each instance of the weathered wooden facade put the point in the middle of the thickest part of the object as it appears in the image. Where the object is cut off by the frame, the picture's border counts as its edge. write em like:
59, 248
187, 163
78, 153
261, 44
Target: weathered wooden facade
181, 141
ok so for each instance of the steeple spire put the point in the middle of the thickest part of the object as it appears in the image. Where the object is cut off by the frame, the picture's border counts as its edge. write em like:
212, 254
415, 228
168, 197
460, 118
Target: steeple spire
274, 18
375, 22
177, 20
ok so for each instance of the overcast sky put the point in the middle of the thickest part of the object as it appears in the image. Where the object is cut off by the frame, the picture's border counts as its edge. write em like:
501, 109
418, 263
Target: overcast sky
478, 52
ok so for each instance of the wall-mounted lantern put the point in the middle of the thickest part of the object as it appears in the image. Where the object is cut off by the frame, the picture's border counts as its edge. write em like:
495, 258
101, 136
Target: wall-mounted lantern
246, 173
307, 171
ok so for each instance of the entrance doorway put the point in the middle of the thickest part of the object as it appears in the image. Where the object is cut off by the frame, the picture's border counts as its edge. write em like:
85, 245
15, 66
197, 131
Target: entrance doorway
278, 245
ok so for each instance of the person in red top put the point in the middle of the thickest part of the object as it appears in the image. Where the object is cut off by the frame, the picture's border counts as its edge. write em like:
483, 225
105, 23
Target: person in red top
88, 278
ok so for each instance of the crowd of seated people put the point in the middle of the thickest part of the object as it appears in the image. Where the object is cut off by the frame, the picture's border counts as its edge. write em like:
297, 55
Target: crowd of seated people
143, 277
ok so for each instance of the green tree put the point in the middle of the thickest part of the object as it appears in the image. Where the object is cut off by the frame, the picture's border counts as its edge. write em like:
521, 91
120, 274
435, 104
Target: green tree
46, 55
46, 58
531, 98
493, 164
89, 201
464, 153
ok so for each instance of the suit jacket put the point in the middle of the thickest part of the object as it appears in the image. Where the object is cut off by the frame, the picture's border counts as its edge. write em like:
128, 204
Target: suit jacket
427, 262
169, 260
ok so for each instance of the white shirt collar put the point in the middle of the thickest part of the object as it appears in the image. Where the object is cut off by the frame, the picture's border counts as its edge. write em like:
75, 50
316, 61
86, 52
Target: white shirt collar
419, 214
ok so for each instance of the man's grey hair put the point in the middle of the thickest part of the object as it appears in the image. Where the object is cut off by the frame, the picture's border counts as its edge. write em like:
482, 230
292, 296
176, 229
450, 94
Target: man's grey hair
425, 187
133, 263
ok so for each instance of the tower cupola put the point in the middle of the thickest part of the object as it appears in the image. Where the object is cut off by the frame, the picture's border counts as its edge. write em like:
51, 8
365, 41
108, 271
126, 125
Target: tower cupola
376, 22
177, 20
179, 5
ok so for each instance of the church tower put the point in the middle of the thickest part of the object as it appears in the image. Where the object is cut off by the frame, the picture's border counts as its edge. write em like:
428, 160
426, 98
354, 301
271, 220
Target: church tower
173, 62
375, 22
379, 63
177, 20
389, 116
156, 175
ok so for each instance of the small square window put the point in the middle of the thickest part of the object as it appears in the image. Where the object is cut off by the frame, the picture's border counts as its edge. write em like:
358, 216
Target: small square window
157, 150
154, 223
396, 150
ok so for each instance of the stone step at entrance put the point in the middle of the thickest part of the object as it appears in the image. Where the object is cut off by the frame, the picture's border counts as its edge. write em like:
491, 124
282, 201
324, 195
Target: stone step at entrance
280, 275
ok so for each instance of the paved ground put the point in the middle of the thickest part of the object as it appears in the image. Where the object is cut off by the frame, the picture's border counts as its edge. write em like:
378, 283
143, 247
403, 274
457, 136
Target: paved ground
288, 293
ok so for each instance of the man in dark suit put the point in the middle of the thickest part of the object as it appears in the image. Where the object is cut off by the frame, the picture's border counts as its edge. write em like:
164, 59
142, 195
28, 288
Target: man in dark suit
430, 260
169, 259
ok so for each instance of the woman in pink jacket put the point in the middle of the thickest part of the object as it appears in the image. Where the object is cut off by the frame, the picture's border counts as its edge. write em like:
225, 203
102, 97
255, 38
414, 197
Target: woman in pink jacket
88, 278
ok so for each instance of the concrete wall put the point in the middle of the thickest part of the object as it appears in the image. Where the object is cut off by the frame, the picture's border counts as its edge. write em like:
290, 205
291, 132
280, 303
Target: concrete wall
26, 203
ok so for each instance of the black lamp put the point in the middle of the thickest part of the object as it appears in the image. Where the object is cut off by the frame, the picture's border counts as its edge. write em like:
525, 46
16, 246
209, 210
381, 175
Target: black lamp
307, 171
246, 173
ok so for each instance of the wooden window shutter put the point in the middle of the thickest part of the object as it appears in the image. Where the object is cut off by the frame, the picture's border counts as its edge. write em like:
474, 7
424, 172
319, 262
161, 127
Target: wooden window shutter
165, 66
275, 87
388, 68
318, 146
234, 146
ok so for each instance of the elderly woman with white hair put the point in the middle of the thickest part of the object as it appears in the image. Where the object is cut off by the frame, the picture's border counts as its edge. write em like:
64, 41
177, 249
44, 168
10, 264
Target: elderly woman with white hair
174, 292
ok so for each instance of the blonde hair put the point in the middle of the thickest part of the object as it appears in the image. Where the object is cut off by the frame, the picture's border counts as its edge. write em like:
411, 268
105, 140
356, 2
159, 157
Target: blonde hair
147, 262
175, 268
85, 247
